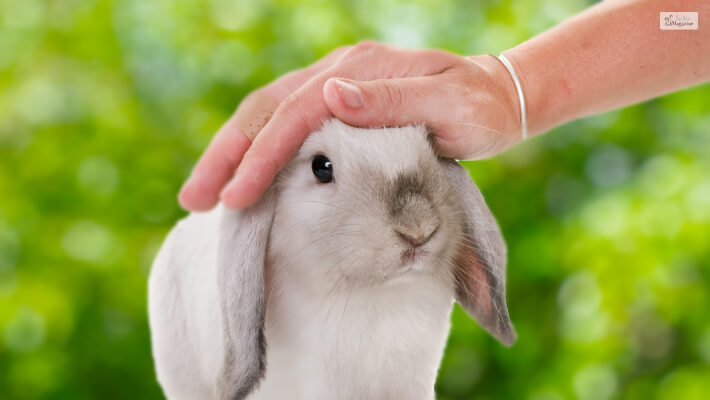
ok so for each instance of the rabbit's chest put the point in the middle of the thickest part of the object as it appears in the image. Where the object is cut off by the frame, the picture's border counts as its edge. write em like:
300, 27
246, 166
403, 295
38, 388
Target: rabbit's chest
356, 344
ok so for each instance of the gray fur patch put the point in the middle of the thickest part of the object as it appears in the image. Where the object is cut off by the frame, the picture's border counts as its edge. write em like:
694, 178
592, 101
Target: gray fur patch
242, 250
481, 230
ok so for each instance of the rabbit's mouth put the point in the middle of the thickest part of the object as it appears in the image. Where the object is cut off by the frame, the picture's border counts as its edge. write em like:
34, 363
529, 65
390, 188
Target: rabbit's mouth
412, 256
412, 260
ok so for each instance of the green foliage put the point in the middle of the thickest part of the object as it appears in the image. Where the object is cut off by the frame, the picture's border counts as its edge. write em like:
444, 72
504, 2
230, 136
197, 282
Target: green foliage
106, 105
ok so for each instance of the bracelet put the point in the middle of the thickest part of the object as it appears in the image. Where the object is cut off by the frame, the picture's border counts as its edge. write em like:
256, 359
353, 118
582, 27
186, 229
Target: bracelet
521, 97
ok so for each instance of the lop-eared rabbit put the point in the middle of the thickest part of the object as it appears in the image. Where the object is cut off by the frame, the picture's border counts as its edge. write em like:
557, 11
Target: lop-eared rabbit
337, 284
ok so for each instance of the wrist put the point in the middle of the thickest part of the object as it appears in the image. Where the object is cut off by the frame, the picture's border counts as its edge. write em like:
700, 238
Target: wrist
521, 96
501, 89
547, 103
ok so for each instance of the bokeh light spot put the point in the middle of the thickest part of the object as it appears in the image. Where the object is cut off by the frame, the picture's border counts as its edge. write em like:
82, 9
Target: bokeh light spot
9, 248
231, 62
607, 217
234, 15
99, 175
595, 382
25, 331
608, 166
23, 14
704, 345
697, 202
580, 299
662, 176
87, 241
39, 101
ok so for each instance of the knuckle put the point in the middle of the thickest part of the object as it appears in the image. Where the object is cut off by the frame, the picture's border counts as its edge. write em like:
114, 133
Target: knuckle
265, 158
362, 58
294, 109
293, 101
254, 96
250, 97
455, 62
342, 49
275, 163
392, 95
340, 53
364, 47
451, 58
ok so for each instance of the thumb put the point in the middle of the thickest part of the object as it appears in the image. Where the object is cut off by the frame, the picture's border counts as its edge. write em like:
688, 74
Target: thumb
385, 102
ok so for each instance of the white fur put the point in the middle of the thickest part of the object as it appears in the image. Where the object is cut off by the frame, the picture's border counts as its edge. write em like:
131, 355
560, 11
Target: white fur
184, 309
344, 318
317, 337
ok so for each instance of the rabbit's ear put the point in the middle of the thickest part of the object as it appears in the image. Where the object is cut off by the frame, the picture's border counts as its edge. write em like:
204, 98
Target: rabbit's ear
242, 250
480, 263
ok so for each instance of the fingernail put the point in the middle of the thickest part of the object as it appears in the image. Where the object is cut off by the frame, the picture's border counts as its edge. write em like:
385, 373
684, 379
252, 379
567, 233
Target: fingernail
349, 94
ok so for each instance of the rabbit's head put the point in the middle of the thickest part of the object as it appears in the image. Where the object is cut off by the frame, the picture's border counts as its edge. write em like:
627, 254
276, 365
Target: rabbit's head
365, 206
368, 205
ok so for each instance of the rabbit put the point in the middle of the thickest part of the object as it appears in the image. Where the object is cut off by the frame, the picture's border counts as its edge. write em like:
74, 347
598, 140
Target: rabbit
346, 270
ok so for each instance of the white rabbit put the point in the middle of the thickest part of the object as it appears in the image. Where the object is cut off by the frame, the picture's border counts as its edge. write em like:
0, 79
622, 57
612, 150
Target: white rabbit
346, 270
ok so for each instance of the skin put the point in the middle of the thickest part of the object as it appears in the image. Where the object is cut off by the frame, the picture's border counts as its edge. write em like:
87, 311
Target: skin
611, 55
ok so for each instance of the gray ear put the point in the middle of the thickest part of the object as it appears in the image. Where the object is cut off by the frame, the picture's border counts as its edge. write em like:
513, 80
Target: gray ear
242, 250
480, 264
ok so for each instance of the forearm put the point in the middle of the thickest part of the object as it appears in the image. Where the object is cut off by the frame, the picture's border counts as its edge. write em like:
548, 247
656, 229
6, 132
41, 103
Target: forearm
611, 55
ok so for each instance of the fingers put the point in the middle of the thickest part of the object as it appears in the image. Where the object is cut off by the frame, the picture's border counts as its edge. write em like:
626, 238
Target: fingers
215, 168
301, 110
464, 121
217, 165
400, 99
389, 102
298, 115
304, 110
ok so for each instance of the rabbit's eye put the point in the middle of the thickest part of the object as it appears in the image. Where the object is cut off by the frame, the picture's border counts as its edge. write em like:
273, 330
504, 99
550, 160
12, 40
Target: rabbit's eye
322, 169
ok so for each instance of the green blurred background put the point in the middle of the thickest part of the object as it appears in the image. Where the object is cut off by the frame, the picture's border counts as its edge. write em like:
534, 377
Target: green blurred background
105, 106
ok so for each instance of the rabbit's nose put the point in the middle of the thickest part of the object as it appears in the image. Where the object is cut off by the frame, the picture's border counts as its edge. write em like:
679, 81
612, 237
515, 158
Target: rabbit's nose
417, 236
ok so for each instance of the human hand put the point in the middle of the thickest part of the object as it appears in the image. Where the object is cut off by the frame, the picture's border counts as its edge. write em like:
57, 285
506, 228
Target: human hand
469, 103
